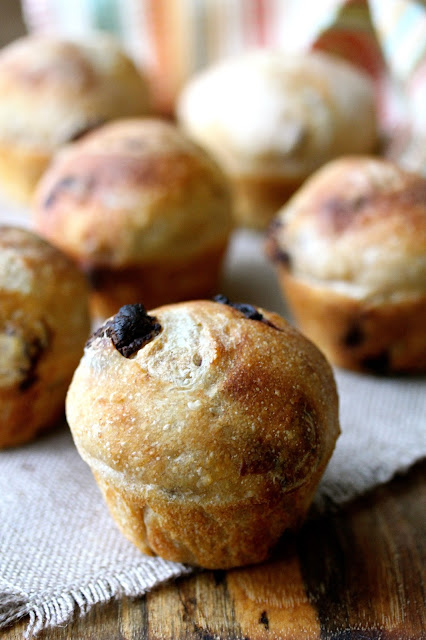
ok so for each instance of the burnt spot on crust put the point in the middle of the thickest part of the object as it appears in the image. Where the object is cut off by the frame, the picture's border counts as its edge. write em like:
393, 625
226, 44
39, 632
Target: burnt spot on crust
354, 337
92, 175
259, 461
340, 213
130, 329
249, 311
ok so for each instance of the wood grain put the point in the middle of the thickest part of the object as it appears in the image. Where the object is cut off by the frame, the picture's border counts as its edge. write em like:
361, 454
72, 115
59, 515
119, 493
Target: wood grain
355, 574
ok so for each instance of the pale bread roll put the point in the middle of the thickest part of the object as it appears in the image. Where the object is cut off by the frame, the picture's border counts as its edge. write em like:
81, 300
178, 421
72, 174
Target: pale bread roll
52, 91
271, 119
350, 250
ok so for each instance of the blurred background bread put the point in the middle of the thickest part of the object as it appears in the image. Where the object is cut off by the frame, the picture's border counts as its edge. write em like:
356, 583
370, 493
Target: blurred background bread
144, 211
53, 90
350, 251
271, 119
44, 323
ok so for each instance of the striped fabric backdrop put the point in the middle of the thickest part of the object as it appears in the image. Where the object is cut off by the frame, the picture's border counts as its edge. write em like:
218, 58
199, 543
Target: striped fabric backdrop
172, 39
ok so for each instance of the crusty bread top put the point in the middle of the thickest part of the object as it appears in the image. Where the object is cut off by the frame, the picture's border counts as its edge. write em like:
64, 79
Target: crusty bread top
213, 403
266, 113
358, 225
52, 90
133, 191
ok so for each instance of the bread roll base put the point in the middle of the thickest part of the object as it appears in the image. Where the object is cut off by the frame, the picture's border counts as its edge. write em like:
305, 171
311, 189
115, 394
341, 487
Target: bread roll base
155, 284
257, 199
26, 414
217, 536
384, 337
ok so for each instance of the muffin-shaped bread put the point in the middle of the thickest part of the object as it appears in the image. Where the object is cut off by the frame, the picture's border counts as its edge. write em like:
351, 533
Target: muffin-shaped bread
44, 323
272, 119
142, 209
52, 91
350, 249
207, 426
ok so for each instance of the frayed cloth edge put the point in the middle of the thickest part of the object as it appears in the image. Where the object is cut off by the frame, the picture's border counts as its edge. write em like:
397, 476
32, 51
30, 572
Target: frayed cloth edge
59, 609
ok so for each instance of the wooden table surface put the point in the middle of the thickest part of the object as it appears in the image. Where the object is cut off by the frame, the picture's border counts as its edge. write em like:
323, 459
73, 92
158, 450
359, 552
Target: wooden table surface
354, 574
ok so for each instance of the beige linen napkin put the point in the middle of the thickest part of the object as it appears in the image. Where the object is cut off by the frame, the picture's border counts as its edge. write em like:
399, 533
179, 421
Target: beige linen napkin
60, 551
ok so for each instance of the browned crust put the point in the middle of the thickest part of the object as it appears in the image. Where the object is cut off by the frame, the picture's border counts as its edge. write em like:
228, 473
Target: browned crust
49, 320
84, 180
156, 283
177, 530
383, 337
397, 207
258, 199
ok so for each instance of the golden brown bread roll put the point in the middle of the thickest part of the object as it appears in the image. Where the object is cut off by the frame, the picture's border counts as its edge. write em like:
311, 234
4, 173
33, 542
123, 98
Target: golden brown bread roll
44, 322
350, 250
207, 426
271, 119
54, 90
142, 209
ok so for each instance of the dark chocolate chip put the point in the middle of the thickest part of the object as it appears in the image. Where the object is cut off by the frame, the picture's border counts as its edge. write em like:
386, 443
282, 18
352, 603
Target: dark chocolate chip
264, 620
378, 364
34, 351
273, 249
354, 337
281, 256
250, 312
130, 329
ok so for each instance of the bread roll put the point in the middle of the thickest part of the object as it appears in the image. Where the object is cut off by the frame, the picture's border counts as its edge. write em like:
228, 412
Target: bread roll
271, 119
53, 91
142, 209
207, 425
44, 323
350, 250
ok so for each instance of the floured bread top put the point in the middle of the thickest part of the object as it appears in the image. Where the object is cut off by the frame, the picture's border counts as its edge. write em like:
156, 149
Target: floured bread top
357, 226
54, 90
270, 113
133, 191
212, 402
